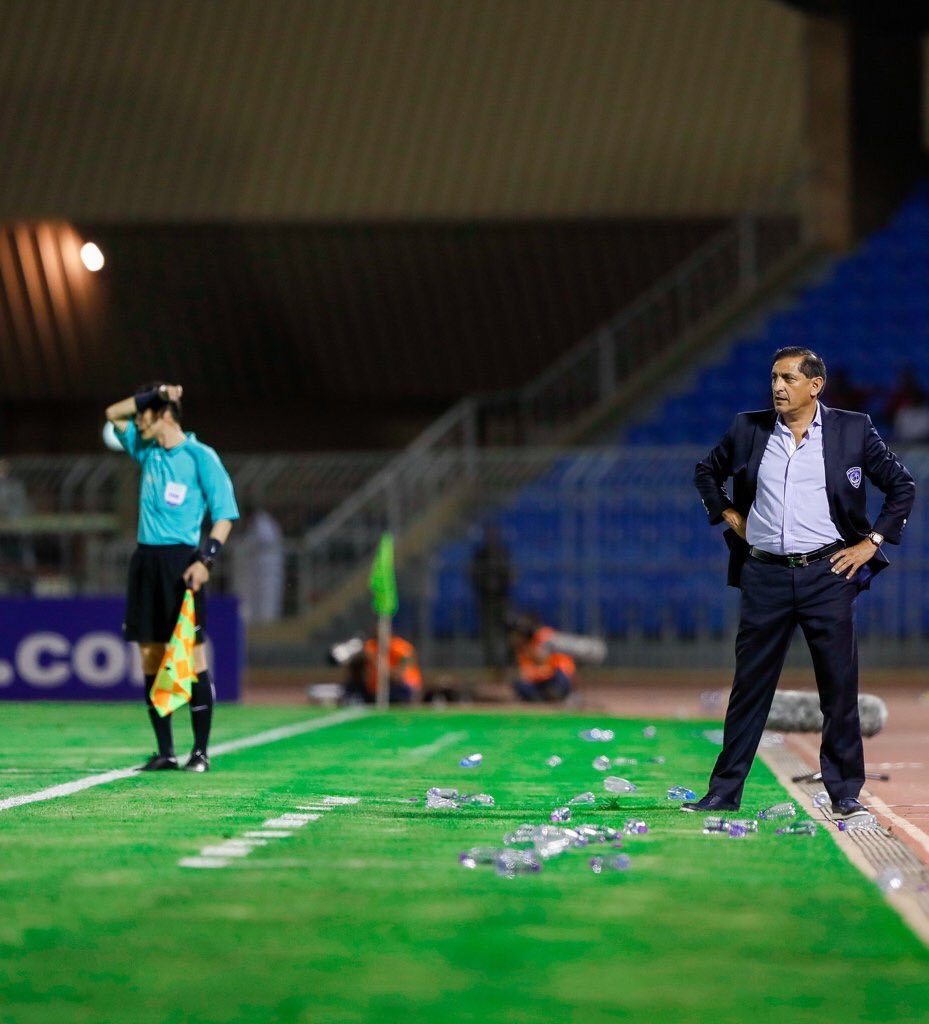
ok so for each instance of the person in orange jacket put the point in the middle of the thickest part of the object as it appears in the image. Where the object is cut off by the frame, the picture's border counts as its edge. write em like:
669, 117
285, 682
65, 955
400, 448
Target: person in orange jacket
406, 680
542, 673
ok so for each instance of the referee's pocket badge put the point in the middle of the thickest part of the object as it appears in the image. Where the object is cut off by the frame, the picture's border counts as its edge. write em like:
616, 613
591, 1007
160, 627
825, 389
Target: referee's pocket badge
854, 476
176, 493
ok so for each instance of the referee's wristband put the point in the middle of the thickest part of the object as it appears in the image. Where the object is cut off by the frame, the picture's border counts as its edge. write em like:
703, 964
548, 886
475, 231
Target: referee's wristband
209, 552
149, 399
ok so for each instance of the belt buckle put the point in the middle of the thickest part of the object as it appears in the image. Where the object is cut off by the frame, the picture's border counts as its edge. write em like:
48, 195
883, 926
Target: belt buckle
797, 561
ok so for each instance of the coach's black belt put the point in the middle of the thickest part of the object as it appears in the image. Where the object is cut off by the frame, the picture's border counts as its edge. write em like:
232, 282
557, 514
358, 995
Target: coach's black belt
798, 561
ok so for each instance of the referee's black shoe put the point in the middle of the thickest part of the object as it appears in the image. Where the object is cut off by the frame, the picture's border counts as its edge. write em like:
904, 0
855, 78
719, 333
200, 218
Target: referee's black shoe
160, 763
709, 804
198, 762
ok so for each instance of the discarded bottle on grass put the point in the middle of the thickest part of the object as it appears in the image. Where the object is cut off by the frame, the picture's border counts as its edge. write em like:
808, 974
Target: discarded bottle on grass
596, 735
746, 824
510, 863
478, 855
553, 761
561, 814
616, 862
551, 842
479, 799
797, 828
859, 823
634, 827
890, 880
822, 799
681, 793
785, 810
442, 799
658, 759
602, 763
596, 833
715, 824
621, 762
649, 732
523, 834
471, 761
737, 831
614, 784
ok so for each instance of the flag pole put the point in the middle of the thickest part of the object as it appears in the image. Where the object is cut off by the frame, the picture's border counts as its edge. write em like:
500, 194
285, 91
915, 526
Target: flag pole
383, 661
384, 602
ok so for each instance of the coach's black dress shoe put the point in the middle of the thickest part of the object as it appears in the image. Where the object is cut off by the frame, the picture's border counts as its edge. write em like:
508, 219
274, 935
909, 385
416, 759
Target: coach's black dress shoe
160, 763
709, 803
848, 807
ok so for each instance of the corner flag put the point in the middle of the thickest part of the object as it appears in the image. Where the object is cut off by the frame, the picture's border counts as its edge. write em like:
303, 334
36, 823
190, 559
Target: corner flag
384, 598
174, 683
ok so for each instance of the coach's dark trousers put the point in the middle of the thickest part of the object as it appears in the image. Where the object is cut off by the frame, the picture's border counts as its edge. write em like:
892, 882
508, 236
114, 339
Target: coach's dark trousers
775, 600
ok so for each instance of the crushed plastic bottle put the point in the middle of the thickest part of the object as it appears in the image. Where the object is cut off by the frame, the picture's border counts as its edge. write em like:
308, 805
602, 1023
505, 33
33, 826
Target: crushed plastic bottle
551, 842
478, 855
649, 732
615, 862
737, 831
520, 836
596, 833
746, 824
614, 784
597, 735
890, 880
634, 827
859, 823
553, 761
562, 814
442, 799
788, 809
602, 763
681, 793
621, 762
797, 828
716, 824
582, 798
471, 761
479, 800
510, 863
822, 799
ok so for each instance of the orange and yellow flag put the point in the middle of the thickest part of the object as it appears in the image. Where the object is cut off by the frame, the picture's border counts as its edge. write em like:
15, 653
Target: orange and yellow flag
176, 676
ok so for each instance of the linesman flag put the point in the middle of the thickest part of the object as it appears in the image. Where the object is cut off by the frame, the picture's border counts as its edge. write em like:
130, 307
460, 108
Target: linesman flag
384, 598
176, 676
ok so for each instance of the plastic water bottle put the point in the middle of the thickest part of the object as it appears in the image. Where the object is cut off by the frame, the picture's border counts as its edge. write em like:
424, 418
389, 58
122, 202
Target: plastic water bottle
614, 784
597, 735
551, 842
634, 827
478, 855
860, 823
746, 824
622, 762
561, 814
788, 809
681, 793
737, 831
519, 836
822, 799
582, 798
649, 732
471, 761
890, 880
596, 833
797, 828
602, 763
510, 863
442, 799
714, 825
553, 761
479, 799
616, 862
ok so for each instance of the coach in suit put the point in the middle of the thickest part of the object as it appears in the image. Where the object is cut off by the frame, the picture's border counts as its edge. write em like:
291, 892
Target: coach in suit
801, 548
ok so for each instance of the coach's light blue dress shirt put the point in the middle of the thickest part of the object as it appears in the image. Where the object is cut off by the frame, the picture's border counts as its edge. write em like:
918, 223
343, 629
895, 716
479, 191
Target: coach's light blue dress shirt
790, 514
178, 486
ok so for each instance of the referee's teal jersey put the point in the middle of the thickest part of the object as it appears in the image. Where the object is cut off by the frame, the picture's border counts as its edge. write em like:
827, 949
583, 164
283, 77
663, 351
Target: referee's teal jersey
179, 485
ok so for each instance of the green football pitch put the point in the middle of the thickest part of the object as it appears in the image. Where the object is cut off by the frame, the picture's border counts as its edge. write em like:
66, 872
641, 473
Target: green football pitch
360, 911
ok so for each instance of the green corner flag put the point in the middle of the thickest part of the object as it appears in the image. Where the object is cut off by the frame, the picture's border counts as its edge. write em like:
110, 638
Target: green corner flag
383, 578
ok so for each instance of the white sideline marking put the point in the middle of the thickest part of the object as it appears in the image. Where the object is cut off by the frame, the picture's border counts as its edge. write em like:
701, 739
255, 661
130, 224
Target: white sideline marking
259, 739
433, 748
268, 833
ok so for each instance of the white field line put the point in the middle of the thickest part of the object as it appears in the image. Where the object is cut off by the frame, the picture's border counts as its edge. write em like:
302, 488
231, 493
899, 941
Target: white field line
259, 739
433, 748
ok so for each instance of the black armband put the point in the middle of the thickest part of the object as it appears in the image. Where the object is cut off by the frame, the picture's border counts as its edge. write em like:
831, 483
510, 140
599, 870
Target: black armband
209, 552
151, 399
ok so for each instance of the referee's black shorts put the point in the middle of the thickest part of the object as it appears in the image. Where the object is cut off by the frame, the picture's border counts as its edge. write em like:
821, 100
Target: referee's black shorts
156, 591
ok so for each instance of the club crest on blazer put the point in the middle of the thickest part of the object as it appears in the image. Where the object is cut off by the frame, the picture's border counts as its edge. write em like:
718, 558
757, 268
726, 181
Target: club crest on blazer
854, 476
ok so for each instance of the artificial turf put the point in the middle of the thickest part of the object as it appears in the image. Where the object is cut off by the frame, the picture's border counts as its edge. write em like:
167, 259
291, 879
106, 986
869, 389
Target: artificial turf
365, 914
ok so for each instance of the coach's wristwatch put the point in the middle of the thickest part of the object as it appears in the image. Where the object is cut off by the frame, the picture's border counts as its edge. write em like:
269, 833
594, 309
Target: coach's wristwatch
877, 539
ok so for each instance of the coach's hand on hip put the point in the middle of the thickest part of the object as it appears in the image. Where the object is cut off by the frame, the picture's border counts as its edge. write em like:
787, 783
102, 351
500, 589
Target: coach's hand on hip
850, 560
195, 575
736, 521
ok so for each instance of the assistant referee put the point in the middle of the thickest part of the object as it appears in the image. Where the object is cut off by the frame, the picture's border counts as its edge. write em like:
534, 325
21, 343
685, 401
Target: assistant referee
182, 480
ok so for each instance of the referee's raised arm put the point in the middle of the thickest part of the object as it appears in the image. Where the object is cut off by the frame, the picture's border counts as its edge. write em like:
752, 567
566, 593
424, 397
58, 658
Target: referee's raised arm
121, 412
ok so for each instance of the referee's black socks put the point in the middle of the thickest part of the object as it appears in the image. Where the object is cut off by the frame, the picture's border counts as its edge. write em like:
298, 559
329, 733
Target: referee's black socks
201, 710
162, 726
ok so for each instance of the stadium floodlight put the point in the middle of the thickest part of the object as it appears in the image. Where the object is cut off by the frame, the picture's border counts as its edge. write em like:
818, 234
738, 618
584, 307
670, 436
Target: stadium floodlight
92, 257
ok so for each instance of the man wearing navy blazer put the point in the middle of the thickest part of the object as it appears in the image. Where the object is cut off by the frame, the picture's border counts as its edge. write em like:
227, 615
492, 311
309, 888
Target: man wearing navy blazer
800, 549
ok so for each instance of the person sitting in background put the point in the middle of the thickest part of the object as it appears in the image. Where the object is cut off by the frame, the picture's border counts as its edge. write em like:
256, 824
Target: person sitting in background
543, 674
406, 680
